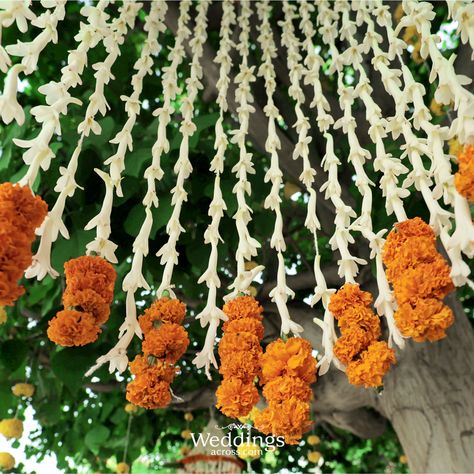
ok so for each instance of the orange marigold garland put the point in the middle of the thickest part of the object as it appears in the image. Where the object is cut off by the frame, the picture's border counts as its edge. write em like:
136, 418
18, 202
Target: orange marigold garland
21, 213
288, 370
464, 178
366, 359
240, 354
421, 279
89, 293
164, 342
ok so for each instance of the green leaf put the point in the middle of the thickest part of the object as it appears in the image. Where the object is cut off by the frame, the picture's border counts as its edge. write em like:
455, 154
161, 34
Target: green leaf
13, 353
96, 437
70, 365
135, 161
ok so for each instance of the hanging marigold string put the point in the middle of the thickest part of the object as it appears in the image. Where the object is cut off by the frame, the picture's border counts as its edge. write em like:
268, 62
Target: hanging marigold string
420, 278
240, 355
288, 370
21, 213
89, 292
464, 178
164, 343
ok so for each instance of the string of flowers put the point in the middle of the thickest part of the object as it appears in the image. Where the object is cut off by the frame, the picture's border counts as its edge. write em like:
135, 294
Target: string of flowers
66, 185
462, 13
288, 370
117, 356
464, 178
183, 167
281, 292
21, 213
89, 293
164, 343
211, 315
57, 96
13, 12
101, 244
366, 358
248, 246
420, 278
48, 22
240, 357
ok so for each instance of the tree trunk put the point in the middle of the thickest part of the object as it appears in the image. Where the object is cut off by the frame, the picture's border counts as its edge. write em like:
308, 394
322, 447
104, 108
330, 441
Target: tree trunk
428, 398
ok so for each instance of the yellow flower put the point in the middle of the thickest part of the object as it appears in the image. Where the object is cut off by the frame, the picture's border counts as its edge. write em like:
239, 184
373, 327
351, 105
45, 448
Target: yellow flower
403, 459
249, 451
130, 408
313, 440
186, 434
314, 456
122, 468
436, 108
250, 417
7, 461
188, 416
454, 146
23, 390
291, 189
416, 53
185, 450
250, 265
3, 315
398, 13
11, 428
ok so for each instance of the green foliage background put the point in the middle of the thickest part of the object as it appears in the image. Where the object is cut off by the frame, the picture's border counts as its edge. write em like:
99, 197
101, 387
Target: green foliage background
87, 429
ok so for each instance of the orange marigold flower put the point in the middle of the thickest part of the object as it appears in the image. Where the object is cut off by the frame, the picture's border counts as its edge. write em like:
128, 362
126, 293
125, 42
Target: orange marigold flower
239, 341
89, 301
286, 387
293, 358
236, 398
243, 307
464, 178
373, 364
91, 272
426, 320
348, 296
168, 342
149, 393
157, 370
363, 317
243, 365
252, 325
289, 419
353, 341
73, 328
165, 310
426, 280
25, 210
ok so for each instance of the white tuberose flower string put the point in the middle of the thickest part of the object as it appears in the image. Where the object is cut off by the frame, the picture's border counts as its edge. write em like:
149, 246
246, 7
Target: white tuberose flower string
211, 315
66, 184
281, 292
117, 356
154, 25
248, 246
183, 167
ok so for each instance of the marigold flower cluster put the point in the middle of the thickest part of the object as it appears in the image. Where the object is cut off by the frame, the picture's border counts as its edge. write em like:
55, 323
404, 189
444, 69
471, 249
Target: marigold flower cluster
89, 292
164, 342
420, 278
240, 354
7, 461
288, 370
464, 178
21, 213
11, 428
366, 358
